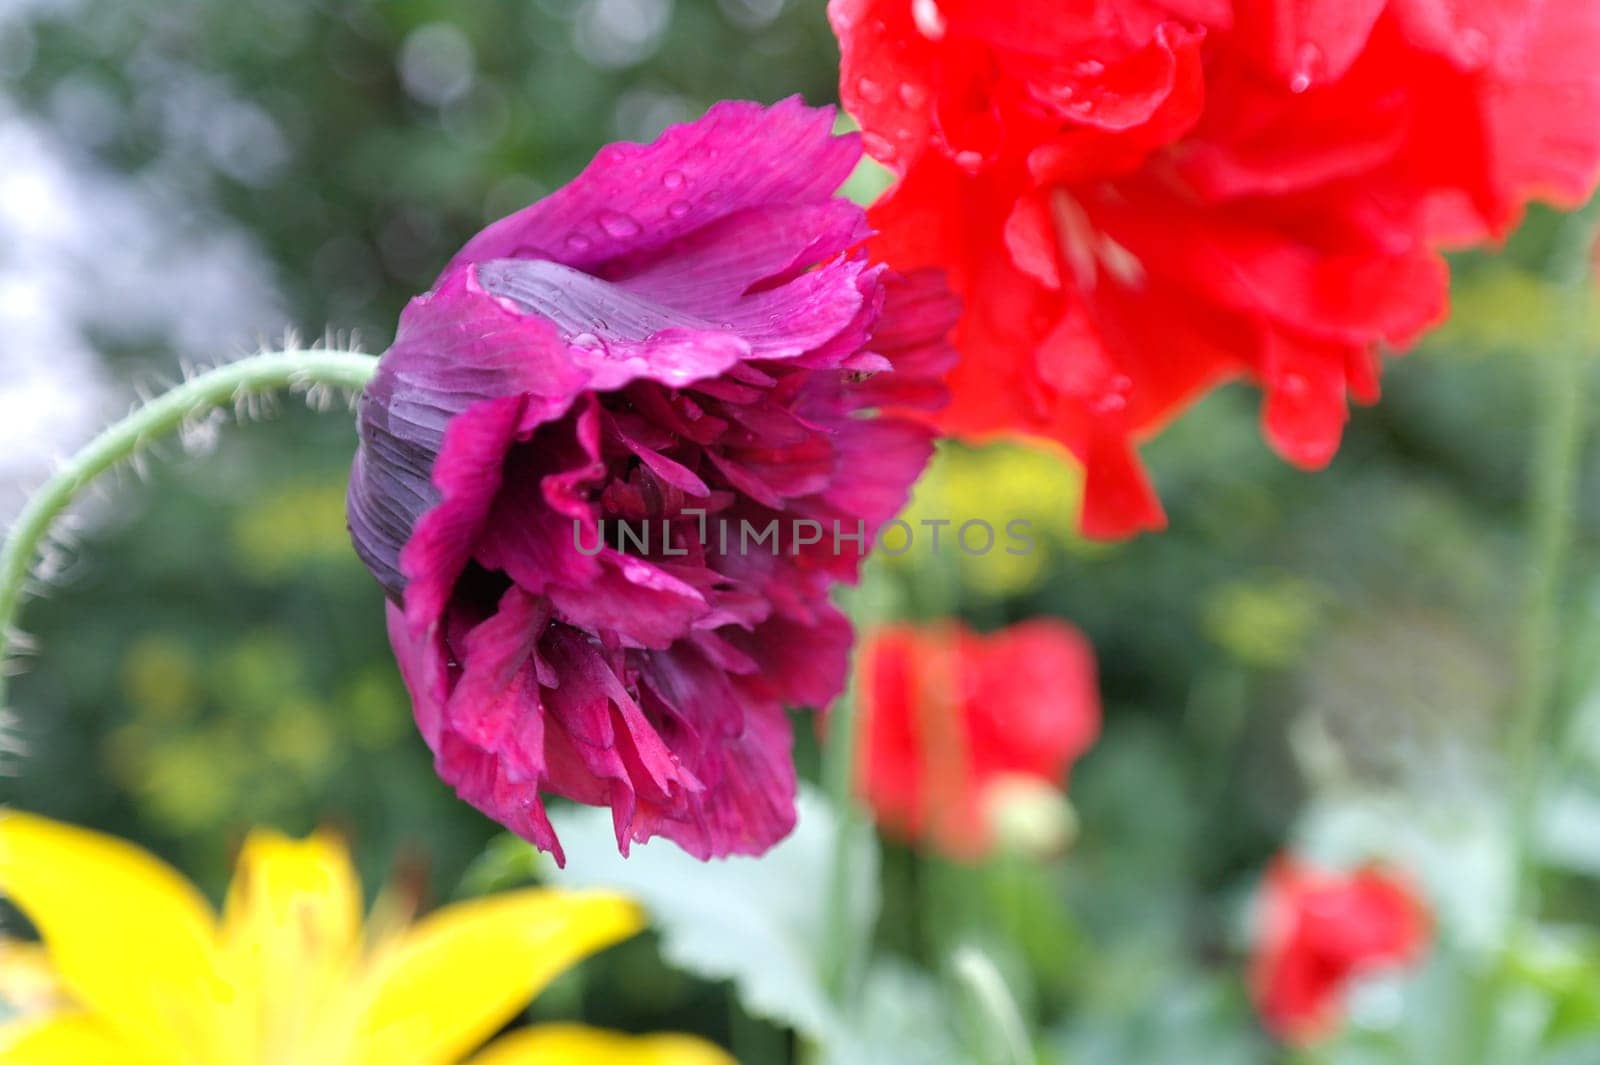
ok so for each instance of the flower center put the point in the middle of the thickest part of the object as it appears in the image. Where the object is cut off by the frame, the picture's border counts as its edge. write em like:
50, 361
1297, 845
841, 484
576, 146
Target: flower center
1086, 249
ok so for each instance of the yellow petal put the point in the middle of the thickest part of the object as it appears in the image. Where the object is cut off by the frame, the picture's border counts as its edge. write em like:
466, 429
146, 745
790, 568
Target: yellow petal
462, 973
67, 1039
130, 939
291, 934
573, 1044
308, 885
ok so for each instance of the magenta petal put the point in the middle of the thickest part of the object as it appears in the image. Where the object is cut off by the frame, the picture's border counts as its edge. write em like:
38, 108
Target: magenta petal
748, 800
715, 267
467, 473
636, 197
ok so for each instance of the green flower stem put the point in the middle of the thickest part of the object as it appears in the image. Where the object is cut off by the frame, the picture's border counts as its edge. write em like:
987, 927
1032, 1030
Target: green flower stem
1557, 461
845, 951
163, 415
838, 768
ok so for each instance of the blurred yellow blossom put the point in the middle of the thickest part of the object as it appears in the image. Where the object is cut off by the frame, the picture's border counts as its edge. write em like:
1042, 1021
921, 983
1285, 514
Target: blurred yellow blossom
296, 526
1265, 622
1504, 308
997, 483
137, 969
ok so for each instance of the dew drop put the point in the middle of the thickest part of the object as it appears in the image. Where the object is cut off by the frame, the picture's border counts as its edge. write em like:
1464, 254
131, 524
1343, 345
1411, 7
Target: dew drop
588, 341
870, 91
912, 94
1308, 66
929, 19
673, 179
678, 208
969, 160
878, 146
1088, 68
577, 242
1110, 403
618, 224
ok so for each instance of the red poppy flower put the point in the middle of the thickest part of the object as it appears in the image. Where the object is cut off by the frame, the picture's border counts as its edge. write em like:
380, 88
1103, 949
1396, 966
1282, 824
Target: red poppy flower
1141, 198
952, 719
1320, 931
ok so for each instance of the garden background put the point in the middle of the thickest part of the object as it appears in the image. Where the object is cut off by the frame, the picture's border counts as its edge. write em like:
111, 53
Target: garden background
1323, 661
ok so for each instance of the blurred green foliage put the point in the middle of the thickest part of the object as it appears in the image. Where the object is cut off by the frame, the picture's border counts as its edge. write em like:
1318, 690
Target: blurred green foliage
1294, 648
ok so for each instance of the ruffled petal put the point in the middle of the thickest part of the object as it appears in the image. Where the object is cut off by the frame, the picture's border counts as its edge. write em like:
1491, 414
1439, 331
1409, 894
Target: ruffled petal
637, 197
1305, 43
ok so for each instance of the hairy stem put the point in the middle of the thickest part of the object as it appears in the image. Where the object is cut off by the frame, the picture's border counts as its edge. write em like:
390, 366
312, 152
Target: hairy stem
163, 415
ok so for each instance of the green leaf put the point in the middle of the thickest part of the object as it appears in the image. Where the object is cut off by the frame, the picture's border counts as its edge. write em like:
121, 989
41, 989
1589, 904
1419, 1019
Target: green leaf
756, 922
901, 1017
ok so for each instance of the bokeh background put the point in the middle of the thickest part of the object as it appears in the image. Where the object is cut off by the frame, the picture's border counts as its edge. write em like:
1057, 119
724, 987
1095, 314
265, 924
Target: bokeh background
1323, 660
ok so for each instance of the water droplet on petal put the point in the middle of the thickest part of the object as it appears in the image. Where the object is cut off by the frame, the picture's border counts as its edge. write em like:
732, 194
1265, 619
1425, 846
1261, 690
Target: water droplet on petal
870, 91
1110, 403
589, 342
1308, 67
878, 146
929, 19
912, 95
673, 179
678, 208
1088, 68
970, 161
577, 242
619, 225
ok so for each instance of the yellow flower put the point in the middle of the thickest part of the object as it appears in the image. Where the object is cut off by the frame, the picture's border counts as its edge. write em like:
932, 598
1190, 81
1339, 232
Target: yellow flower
137, 969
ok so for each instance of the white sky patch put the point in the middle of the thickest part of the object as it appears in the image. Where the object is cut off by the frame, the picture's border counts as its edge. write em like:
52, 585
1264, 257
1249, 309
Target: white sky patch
88, 255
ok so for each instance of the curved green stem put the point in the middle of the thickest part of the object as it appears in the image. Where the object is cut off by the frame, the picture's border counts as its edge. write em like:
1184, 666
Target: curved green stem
165, 414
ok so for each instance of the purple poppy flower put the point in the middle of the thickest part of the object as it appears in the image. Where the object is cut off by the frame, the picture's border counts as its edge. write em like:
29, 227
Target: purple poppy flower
682, 347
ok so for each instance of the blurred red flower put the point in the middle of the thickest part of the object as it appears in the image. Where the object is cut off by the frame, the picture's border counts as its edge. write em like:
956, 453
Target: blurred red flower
1141, 198
1319, 931
954, 721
